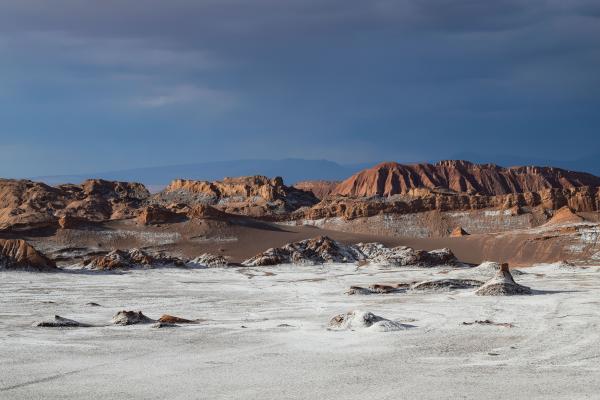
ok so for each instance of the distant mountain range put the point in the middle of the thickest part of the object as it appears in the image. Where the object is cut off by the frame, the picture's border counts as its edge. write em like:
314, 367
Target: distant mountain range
292, 169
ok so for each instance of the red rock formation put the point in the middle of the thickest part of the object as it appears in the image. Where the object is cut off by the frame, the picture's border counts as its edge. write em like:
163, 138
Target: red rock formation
27, 205
459, 232
18, 254
388, 179
320, 189
155, 214
564, 216
256, 196
420, 200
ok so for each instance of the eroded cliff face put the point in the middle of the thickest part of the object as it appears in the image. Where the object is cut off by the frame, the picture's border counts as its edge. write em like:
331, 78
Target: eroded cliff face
256, 196
582, 199
17, 254
27, 205
388, 179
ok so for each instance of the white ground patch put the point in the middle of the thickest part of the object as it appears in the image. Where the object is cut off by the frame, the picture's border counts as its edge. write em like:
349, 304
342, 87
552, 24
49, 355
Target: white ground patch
265, 337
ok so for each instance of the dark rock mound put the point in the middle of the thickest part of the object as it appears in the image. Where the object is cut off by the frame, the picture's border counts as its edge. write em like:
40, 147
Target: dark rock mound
447, 284
59, 322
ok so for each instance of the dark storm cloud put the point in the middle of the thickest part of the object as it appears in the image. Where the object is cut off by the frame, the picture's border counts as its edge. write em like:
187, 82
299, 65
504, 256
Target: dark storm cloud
349, 80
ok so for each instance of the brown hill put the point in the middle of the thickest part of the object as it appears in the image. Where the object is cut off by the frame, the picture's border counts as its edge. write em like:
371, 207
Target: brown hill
390, 178
320, 189
26, 205
256, 196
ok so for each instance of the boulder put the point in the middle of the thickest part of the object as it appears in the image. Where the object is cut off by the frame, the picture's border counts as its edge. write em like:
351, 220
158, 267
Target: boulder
130, 318
166, 318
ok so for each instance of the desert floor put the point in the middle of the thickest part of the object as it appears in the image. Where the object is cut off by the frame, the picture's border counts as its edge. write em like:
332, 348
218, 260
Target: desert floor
264, 336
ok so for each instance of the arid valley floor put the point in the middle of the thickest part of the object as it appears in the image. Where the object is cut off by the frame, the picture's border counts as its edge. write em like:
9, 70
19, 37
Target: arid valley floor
425, 281
263, 334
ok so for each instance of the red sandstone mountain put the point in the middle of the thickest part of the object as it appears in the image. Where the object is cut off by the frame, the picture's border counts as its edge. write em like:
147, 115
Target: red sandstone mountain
388, 179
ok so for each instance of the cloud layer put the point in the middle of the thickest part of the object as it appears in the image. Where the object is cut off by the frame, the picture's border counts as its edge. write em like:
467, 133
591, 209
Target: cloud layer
117, 84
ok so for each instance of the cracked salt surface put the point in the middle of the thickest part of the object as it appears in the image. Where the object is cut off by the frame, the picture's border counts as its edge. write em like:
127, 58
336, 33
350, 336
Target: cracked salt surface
286, 351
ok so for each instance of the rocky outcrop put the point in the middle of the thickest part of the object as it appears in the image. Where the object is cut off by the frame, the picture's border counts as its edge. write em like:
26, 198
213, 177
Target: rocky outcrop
458, 232
319, 250
388, 179
364, 320
564, 216
130, 318
323, 250
27, 205
581, 199
130, 259
171, 319
447, 284
402, 256
156, 214
207, 260
59, 322
256, 196
16, 254
503, 284
320, 189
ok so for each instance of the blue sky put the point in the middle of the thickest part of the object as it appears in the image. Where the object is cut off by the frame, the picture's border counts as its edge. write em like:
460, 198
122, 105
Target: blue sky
106, 85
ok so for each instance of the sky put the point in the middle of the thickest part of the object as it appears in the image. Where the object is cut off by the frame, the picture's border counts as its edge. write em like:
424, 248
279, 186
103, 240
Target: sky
114, 84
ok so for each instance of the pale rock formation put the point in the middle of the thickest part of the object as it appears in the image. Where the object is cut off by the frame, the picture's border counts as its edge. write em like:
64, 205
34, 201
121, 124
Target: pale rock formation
502, 284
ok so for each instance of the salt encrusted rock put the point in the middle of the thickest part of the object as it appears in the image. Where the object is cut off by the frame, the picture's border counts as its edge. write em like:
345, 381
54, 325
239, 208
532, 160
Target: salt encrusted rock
377, 253
364, 320
502, 284
322, 250
319, 250
131, 318
210, 261
447, 284
378, 289
59, 322
133, 258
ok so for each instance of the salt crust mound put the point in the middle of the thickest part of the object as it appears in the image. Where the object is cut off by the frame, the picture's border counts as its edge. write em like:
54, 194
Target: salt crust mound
364, 321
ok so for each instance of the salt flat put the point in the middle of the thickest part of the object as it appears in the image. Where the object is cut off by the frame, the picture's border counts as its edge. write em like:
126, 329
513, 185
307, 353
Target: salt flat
242, 349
